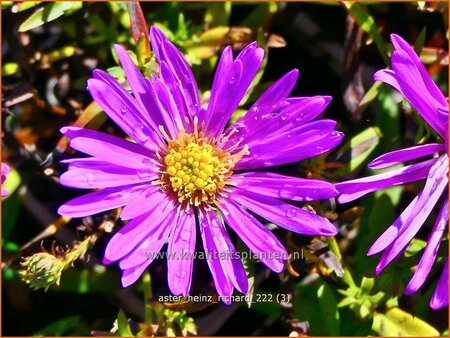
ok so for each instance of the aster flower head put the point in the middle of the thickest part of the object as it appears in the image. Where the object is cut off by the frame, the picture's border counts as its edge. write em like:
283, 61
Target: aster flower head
5, 171
183, 171
410, 78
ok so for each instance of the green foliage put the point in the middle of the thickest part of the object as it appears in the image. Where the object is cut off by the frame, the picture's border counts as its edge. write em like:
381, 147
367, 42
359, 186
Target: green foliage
49, 13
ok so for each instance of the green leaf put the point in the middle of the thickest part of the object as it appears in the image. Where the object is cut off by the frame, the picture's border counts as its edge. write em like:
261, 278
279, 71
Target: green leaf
328, 305
396, 322
122, 325
415, 246
358, 149
46, 14
316, 303
420, 41
23, 6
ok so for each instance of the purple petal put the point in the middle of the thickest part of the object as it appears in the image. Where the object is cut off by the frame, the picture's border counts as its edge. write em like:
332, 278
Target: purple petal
283, 214
94, 173
429, 255
433, 89
387, 76
277, 92
164, 106
219, 241
216, 265
304, 142
148, 249
99, 201
129, 237
124, 110
354, 189
109, 148
230, 84
182, 243
286, 115
255, 235
415, 91
285, 187
392, 232
134, 76
434, 187
130, 276
439, 299
144, 201
403, 155
185, 84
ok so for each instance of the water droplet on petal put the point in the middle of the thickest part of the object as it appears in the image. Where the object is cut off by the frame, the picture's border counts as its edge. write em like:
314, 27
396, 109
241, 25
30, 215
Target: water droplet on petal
90, 179
291, 212
180, 274
141, 133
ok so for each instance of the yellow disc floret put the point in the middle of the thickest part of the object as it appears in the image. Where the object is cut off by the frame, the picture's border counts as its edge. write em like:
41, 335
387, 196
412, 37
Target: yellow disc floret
196, 169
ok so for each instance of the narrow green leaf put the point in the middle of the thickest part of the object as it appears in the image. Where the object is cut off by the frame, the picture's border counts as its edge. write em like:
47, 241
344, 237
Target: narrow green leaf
122, 325
396, 322
46, 14
358, 149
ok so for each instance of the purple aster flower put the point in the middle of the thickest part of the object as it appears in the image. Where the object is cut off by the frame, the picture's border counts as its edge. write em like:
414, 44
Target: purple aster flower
409, 77
185, 172
5, 171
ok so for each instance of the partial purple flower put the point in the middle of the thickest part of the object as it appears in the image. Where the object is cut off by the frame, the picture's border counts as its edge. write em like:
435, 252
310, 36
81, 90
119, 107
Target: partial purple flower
5, 171
185, 172
409, 77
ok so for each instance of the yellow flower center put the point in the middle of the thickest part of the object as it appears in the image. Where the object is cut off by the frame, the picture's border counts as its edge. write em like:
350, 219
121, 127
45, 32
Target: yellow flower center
196, 169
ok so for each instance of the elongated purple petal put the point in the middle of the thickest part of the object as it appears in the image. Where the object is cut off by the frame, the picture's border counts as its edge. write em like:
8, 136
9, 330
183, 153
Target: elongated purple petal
130, 276
277, 92
94, 173
392, 232
230, 85
231, 264
148, 249
123, 109
286, 115
304, 142
255, 235
285, 187
283, 214
164, 105
403, 155
185, 84
439, 299
182, 243
415, 91
434, 187
109, 148
354, 189
430, 252
127, 238
99, 201
134, 77
144, 201
432, 88
387, 76
220, 275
